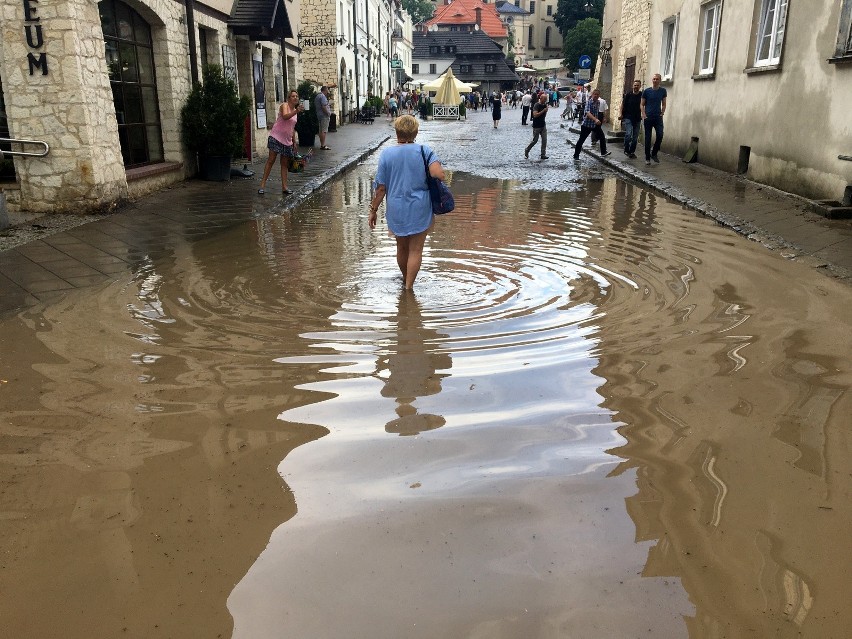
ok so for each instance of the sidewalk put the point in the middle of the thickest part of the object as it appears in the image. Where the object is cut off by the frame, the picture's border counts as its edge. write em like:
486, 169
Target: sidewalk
781, 221
41, 258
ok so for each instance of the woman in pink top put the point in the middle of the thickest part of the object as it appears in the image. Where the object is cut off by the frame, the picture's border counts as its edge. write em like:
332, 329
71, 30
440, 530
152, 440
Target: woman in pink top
280, 141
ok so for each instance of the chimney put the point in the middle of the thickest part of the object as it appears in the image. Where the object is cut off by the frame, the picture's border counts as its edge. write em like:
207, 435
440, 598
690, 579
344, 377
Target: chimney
478, 12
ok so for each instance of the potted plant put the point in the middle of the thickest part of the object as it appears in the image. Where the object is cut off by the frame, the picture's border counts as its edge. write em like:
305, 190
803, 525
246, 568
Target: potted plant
213, 120
307, 126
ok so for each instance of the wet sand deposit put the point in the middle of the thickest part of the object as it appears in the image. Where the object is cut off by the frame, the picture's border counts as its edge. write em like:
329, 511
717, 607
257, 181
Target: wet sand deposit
599, 416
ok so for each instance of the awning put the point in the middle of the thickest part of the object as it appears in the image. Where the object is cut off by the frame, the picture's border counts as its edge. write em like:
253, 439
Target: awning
261, 20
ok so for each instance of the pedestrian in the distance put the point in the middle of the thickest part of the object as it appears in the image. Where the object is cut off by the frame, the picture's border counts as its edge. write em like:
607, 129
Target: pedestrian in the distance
539, 112
496, 111
401, 177
281, 141
393, 105
593, 118
631, 116
323, 115
526, 103
653, 106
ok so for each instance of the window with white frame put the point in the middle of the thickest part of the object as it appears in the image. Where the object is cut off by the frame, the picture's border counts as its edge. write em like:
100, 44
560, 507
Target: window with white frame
669, 48
770, 32
711, 13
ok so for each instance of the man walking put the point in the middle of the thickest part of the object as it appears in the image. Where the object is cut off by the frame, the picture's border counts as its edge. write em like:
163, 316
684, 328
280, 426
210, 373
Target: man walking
539, 111
593, 118
631, 116
653, 106
323, 115
526, 102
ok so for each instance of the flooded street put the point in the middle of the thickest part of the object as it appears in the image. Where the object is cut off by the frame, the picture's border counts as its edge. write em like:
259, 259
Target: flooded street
599, 415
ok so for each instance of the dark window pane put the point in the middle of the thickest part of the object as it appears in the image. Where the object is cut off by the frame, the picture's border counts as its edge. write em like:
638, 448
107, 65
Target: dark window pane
138, 146
118, 101
149, 105
112, 59
133, 104
123, 21
142, 30
146, 65
107, 17
125, 147
155, 144
129, 69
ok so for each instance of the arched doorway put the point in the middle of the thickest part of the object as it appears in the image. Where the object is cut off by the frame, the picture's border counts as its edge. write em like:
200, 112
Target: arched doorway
130, 62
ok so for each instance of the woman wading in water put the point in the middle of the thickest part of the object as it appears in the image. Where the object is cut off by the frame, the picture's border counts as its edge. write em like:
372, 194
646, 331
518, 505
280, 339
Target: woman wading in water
402, 179
280, 141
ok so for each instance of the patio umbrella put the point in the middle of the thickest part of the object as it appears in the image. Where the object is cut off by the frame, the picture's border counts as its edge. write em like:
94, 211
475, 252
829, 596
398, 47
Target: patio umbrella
434, 85
448, 93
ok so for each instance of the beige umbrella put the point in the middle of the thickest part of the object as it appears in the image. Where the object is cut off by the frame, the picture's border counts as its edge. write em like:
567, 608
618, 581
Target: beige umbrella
447, 92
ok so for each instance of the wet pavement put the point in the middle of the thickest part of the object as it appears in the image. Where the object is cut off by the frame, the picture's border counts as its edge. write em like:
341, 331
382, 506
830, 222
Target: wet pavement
600, 415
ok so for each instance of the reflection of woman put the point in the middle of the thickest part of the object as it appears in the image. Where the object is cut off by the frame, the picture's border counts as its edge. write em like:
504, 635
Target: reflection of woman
413, 370
402, 178
281, 142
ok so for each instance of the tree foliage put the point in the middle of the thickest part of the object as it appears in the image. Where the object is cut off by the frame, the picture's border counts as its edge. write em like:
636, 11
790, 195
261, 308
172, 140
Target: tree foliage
583, 39
570, 12
419, 10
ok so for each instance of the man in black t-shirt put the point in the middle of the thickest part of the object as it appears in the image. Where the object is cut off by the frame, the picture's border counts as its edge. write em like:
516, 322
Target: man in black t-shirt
631, 117
539, 111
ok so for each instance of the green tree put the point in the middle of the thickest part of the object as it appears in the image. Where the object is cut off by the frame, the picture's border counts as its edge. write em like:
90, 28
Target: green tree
583, 39
419, 10
571, 12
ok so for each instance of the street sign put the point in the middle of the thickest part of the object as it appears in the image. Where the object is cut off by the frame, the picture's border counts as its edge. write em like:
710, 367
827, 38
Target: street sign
583, 74
585, 62
396, 64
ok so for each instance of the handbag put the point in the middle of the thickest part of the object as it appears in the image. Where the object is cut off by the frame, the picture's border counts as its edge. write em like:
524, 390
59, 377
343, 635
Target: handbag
439, 193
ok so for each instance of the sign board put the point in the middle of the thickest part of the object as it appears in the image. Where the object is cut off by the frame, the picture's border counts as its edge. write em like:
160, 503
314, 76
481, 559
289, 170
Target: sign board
583, 74
585, 62
396, 64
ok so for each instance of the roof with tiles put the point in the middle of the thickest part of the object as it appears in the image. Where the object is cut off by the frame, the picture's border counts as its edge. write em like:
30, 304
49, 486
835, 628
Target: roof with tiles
467, 43
463, 12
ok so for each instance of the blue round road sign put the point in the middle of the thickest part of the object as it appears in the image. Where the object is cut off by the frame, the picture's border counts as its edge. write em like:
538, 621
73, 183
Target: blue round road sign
585, 62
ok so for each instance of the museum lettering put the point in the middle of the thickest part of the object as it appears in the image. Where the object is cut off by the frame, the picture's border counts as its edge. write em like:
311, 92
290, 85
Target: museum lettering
35, 37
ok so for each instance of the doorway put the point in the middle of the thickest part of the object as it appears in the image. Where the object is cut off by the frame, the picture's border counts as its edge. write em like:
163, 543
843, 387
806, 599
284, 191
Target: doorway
629, 74
7, 166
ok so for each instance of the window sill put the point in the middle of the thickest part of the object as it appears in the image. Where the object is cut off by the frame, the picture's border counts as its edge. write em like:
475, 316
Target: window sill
841, 59
769, 68
704, 76
150, 170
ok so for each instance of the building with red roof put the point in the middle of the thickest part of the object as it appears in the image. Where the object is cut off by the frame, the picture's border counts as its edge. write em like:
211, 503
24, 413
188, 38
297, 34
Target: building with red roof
469, 15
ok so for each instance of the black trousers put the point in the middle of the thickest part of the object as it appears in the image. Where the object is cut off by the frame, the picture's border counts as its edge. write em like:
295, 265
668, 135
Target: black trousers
525, 112
586, 131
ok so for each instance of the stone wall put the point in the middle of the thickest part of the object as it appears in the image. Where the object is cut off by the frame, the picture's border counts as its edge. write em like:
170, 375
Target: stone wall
633, 39
319, 52
70, 106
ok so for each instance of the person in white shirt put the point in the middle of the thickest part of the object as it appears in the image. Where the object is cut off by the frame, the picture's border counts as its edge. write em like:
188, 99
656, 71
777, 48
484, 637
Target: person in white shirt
526, 103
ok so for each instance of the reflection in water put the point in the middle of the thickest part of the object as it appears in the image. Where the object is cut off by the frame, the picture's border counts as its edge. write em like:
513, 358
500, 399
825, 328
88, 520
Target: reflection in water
643, 431
411, 370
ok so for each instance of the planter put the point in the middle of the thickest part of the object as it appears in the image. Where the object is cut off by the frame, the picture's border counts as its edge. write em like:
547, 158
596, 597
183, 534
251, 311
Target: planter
214, 168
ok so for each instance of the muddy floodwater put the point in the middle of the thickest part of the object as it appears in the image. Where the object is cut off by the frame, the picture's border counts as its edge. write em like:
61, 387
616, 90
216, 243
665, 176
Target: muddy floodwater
598, 416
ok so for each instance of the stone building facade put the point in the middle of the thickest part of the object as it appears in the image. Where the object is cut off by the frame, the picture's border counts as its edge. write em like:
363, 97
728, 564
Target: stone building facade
762, 87
103, 83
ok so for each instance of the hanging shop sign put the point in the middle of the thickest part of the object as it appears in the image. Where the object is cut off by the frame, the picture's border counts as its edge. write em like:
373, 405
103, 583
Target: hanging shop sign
35, 37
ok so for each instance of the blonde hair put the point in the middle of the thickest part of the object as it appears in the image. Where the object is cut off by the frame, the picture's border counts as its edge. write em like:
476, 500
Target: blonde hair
406, 128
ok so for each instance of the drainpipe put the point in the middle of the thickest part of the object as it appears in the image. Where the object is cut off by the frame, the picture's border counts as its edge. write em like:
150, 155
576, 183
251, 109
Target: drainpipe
357, 65
369, 49
190, 31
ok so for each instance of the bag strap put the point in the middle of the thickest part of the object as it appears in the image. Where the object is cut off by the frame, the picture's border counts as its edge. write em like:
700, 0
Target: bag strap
425, 163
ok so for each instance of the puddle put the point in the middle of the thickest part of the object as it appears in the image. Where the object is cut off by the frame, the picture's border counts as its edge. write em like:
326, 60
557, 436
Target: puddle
598, 416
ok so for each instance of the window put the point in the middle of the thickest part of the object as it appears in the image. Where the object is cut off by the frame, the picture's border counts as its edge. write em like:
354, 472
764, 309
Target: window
490, 68
434, 50
130, 63
415, 68
669, 47
465, 68
530, 34
450, 49
432, 69
710, 16
550, 10
844, 34
547, 37
454, 28
532, 6
770, 32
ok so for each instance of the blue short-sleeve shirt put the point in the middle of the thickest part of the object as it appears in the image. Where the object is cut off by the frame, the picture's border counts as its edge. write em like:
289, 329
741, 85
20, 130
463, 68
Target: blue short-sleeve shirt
401, 172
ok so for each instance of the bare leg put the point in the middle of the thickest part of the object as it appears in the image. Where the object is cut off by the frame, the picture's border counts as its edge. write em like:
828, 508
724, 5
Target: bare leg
285, 165
411, 250
270, 162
